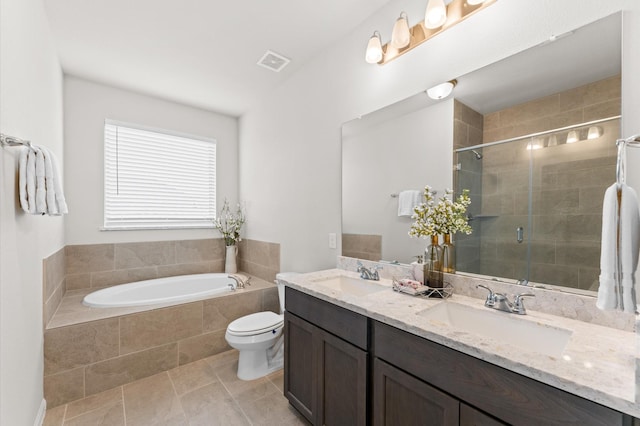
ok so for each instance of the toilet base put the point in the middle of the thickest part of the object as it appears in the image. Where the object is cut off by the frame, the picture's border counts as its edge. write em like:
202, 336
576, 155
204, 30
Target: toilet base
255, 364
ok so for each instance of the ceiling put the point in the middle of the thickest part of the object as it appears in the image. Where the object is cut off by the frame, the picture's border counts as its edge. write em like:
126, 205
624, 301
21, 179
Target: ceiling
197, 52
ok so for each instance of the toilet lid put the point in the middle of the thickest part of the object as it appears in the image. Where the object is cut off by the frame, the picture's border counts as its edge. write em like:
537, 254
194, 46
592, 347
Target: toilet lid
255, 323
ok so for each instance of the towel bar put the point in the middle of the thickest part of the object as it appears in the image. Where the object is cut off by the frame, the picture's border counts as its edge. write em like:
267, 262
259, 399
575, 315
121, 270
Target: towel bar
6, 140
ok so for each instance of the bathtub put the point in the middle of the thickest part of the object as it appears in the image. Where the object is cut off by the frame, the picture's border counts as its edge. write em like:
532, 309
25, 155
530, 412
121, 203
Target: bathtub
160, 291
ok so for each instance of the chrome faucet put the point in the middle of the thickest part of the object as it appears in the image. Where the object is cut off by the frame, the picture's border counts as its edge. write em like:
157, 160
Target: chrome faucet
368, 274
500, 301
240, 283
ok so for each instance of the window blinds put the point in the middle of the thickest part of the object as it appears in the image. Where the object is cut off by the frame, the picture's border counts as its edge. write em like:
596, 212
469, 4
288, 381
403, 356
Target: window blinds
157, 180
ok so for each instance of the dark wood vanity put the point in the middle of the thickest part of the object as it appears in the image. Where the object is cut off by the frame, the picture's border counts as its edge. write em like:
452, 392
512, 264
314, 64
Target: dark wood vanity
343, 368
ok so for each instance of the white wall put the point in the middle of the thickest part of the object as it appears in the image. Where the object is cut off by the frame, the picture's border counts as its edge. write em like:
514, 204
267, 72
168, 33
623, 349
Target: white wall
30, 108
86, 106
298, 195
385, 158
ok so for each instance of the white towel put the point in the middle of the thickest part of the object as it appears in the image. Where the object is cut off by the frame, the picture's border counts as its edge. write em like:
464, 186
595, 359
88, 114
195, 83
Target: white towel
39, 183
608, 294
407, 201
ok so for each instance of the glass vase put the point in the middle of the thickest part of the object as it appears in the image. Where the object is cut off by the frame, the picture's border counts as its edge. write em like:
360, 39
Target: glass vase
448, 255
433, 276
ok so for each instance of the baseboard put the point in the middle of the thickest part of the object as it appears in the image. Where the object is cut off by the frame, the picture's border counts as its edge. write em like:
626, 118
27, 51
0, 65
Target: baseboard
42, 411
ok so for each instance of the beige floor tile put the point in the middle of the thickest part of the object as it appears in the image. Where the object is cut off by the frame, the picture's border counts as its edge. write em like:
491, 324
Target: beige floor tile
271, 410
192, 376
54, 416
223, 358
101, 400
212, 405
152, 401
106, 416
245, 390
277, 379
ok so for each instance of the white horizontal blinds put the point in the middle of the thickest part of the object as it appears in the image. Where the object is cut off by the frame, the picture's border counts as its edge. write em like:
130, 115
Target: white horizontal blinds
156, 180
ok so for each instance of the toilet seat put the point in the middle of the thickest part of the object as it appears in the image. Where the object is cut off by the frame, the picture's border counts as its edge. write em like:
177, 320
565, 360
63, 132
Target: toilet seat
253, 324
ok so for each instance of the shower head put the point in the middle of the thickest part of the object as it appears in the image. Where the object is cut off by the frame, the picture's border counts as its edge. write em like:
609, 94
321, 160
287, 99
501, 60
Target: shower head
478, 155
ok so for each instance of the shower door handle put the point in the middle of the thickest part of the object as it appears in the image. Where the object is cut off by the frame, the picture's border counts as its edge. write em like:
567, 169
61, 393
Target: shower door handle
520, 234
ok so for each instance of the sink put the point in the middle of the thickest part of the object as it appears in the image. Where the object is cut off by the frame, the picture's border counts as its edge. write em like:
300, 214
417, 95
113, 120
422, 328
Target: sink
352, 286
504, 328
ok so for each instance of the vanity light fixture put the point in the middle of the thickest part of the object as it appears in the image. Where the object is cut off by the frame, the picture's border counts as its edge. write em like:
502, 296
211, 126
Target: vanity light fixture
439, 16
401, 35
442, 90
536, 143
594, 132
572, 137
374, 49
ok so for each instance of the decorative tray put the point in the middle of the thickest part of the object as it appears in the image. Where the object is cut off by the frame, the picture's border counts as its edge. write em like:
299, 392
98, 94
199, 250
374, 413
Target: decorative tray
424, 290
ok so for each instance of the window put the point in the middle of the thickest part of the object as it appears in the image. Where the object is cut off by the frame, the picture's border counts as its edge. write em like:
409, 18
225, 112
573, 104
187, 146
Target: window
155, 179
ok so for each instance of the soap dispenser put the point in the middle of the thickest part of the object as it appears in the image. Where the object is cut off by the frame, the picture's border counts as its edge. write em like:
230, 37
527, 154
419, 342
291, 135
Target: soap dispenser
417, 268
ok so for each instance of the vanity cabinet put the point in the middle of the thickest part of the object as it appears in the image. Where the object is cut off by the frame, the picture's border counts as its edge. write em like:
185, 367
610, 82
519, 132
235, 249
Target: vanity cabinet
326, 361
498, 395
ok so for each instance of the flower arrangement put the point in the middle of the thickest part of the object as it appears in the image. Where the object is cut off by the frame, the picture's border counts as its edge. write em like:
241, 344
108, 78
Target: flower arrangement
229, 224
444, 217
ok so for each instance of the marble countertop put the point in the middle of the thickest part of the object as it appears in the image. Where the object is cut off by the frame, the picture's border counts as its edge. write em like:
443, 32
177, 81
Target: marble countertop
598, 363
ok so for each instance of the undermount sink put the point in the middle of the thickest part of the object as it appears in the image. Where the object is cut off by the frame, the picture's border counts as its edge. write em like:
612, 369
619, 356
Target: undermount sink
504, 328
352, 286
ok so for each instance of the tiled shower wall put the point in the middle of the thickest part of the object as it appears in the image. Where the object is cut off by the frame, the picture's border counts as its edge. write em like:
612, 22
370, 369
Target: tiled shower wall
467, 131
568, 187
362, 246
77, 267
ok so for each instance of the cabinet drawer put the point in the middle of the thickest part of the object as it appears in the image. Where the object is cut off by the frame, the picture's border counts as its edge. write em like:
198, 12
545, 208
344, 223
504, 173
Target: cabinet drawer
341, 322
506, 395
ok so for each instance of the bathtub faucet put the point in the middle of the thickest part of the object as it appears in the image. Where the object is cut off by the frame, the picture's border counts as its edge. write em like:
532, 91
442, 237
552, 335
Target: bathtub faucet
240, 283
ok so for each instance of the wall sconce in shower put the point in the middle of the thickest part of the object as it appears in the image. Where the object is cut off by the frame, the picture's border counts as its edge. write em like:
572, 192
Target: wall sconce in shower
536, 143
439, 16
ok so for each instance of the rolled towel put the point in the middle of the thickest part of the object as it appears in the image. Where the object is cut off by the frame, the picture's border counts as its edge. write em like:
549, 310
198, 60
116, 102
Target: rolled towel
41, 188
30, 177
57, 183
22, 179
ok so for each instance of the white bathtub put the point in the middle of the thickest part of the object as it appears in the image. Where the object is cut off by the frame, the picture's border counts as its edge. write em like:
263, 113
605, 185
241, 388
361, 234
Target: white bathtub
181, 288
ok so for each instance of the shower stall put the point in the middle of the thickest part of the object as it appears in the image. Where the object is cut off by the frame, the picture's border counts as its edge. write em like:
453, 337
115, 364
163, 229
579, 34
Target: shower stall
536, 210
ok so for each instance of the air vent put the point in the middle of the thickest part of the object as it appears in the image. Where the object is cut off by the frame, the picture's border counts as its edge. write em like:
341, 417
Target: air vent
273, 61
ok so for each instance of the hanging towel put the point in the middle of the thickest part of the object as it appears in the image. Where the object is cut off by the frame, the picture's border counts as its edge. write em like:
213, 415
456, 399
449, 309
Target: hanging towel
627, 211
407, 201
39, 183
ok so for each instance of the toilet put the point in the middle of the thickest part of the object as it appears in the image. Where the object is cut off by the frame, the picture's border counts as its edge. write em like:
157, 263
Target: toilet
259, 339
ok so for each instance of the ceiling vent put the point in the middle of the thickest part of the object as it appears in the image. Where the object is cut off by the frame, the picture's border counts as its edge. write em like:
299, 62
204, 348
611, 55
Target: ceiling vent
273, 61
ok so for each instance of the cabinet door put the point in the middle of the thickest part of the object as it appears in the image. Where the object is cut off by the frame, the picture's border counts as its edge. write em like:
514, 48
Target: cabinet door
342, 384
401, 399
469, 416
299, 373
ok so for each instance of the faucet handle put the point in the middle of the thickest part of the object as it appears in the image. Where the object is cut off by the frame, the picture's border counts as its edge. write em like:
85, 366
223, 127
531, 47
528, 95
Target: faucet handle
491, 298
518, 303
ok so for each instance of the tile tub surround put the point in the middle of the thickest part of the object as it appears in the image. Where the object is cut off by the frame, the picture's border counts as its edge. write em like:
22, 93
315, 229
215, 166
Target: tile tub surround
259, 258
199, 393
90, 350
598, 362
53, 283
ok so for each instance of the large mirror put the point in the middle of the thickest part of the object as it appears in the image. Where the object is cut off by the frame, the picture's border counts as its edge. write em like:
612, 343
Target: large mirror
497, 131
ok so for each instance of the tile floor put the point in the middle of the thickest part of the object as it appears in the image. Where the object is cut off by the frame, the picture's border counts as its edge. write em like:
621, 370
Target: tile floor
205, 392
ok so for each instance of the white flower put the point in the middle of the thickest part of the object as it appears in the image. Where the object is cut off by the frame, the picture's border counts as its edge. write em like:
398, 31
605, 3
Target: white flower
445, 217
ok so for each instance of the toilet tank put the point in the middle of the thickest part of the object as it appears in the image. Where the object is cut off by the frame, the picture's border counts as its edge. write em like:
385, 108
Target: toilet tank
279, 277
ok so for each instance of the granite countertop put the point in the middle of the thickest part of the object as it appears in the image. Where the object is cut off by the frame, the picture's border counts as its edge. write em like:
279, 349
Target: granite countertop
598, 363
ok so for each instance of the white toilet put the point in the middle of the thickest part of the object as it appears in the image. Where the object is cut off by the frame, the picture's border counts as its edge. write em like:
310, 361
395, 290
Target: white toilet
259, 339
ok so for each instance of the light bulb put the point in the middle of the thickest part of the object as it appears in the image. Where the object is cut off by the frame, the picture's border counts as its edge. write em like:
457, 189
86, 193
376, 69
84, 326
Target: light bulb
536, 143
436, 14
553, 141
401, 36
474, 2
594, 132
374, 49
572, 137
442, 90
